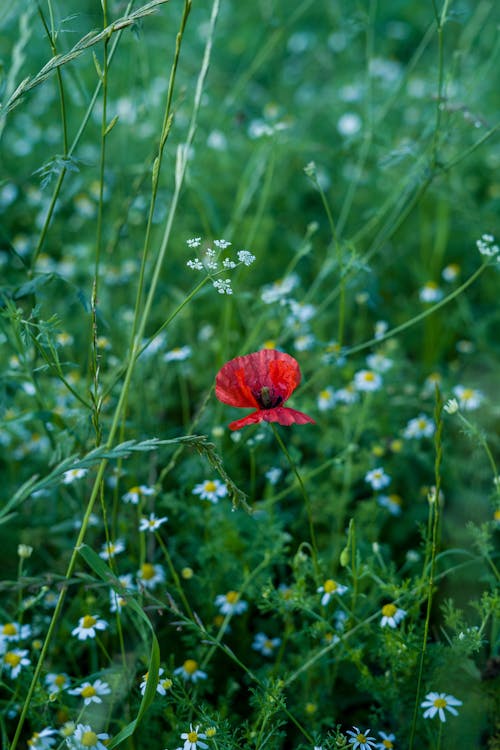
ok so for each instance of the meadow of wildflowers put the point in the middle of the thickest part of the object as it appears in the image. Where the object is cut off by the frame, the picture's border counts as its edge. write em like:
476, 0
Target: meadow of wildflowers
249, 416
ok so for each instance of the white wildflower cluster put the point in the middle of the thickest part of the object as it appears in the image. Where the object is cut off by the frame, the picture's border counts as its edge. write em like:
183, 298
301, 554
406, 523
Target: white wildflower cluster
211, 262
487, 246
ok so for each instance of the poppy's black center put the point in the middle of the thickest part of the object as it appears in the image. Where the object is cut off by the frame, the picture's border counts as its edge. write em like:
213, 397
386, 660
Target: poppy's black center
267, 399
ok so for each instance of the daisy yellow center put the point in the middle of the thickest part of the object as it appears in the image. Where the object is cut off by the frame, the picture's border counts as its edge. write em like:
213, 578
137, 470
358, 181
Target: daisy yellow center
210, 487
388, 744
9, 629
190, 666
467, 394
369, 376
325, 395
12, 659
60, 680
147, 571
88, 621
89, 739
395, 499
192, 737
167, 684
88, 691
33, 740
496, 515
422, 423
388, 610
330, 586
361, 737
232, 597
269, 644
440, 703
134, 491
431, 285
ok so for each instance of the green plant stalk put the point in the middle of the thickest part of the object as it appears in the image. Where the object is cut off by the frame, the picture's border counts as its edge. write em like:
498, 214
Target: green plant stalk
180, 172
69, 152
434, 511
305, 495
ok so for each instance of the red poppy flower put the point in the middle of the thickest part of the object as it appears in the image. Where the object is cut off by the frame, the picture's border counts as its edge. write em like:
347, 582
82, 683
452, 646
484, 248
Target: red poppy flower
263, 381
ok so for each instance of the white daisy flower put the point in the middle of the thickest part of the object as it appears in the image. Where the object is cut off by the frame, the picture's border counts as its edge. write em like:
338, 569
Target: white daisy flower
436, 703
230, 603
87, 627
391, 616
210, 489
329, 589
190, 672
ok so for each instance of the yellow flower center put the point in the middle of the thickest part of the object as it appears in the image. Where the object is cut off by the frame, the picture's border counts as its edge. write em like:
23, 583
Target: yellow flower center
190, 666
134, 491
89, 739
324, 395
389, 610
12, 659
467, 394
269, 644
147, 571
496, 515
330, 586
60, 680
440, 703
166, 684
388, 744
232, 597
88, 622
311, 708
369, 376
9, 629
361, 737
88, 692
211, 732
395, 500
192, 737
210, 486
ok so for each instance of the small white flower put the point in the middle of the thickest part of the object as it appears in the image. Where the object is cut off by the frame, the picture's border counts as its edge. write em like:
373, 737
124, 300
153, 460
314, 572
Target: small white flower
379, 363
91, 692
279, 290
391, 502
486, 246
222, 244
349, 124
391, 615
387, 741
273, 475
418, 427
223, 286
15, 660
13, 631
152, 523
451, 272
267, 646
195, 265
84, 738
367, 380
111, 549
210, 489
42, 740
149, 575
347, 395
179, 354
164, 683
116, 600
72, 475
326, 399
230, 603
190, 672
436, 703
361, 740
430, 292
329, 589
193, 739
194, 242
135, 494
377, 478
87, 627
56, 682
468, 398
245, 257
380, 329
451, 406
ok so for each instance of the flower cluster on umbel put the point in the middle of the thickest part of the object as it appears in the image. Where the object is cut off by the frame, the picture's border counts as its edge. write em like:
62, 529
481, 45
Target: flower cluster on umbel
263, 381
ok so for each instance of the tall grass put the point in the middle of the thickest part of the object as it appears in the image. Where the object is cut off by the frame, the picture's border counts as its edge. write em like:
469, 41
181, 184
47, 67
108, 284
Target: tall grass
185, 183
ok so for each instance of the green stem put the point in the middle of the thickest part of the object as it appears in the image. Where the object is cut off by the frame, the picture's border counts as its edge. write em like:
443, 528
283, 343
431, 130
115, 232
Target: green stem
434, 508
305, 495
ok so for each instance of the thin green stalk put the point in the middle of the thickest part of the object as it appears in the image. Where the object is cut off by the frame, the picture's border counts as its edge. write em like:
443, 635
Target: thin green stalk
434, 513
305, 495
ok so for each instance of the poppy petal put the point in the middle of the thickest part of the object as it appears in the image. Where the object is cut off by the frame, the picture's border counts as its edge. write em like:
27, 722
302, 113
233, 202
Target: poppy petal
281, 414
242, 377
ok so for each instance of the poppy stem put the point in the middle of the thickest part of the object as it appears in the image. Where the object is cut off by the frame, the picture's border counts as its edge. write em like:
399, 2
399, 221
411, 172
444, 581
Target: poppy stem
305, 495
